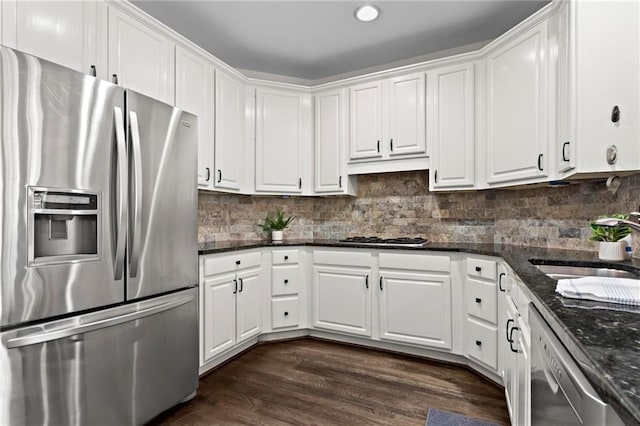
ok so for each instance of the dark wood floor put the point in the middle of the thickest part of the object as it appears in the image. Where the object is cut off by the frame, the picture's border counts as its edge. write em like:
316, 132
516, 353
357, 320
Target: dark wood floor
309, 381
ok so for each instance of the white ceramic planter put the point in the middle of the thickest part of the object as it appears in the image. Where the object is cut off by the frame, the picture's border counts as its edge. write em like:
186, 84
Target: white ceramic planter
276, 235
612, 250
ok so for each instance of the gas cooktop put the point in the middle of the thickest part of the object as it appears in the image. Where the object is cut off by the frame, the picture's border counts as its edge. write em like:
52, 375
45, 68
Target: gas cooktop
386, 242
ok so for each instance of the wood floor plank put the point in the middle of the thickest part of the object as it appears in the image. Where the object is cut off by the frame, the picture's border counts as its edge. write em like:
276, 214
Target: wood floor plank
315, 382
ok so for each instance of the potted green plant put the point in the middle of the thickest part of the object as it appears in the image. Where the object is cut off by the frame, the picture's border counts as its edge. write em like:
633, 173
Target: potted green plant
276, 225
612, 239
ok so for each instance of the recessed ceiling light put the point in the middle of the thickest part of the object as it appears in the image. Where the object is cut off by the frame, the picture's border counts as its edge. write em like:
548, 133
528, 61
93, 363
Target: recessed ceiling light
366, 13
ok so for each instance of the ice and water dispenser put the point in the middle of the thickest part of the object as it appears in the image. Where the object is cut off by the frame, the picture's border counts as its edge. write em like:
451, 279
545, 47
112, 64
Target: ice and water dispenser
63, 225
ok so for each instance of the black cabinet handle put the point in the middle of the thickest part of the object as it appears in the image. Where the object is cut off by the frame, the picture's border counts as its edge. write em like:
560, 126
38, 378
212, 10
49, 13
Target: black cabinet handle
435, 176
478, 343
92, 71
235, 286
381, 283
286, 314
391, 144
378, 148
299, 183
340, 181
219, 175
478, 269
615, 114
507, 330
565, 157
237, 262
511, 342
478, 300
286, 281
241, 285
114, 78
208, 174
502, 274
366, 281
540, 162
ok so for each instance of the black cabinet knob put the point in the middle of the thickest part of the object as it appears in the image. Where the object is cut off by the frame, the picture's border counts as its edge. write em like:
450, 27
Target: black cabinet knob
615, 114
286, 258
286, 281
478, 269
237, 262
286, 314
478, 300
478, 343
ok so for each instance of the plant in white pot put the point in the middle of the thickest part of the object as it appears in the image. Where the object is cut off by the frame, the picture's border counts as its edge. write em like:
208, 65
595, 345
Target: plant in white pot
276, 225
611, 239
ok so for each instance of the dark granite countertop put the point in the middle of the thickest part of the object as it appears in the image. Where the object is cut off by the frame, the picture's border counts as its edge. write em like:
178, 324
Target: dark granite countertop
605, 342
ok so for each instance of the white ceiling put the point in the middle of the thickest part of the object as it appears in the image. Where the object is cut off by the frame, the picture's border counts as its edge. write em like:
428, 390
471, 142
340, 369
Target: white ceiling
315, 40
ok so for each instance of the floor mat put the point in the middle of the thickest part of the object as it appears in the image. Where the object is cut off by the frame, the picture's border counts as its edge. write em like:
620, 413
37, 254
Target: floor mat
445, 418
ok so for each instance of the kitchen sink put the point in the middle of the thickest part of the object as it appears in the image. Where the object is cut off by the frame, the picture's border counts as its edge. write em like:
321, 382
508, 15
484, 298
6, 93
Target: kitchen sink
558, 272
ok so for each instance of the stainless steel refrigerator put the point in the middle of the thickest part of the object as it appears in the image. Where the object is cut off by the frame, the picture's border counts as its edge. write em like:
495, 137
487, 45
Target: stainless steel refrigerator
98, 254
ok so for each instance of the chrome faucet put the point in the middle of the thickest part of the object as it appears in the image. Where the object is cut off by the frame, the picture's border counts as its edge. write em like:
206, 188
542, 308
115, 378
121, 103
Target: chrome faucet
612, 221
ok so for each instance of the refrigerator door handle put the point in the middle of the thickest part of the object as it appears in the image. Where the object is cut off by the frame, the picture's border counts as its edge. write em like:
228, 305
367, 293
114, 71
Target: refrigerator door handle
47, 336
137, 205
121, 214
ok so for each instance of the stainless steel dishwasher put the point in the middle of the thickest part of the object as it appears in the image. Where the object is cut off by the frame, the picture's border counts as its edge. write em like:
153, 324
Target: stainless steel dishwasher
560, 393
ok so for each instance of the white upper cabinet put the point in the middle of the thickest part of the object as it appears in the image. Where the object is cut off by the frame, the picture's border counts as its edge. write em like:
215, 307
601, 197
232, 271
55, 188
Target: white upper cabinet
195, 94
387, 122
452, 126
283, 123
229, 132
140, 58
405, 130
517, 107
366, 120
68, 33
598, 104
330, 142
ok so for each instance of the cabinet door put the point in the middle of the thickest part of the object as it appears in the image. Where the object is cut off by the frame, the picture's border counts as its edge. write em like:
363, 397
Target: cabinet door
452, 126
342, 300
517, 108
523, 371
415, 308
279, 141
64, 32
194, 93
406, 115
248, 305
329, 142
229, 131
365, 116
219, 314
140, 57
509, 361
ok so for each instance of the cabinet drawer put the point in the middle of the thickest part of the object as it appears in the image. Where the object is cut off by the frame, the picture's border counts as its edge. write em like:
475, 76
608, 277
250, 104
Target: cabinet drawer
481, 300
284, 312
481, 268
285, 257
216, 264
343, 258
285, 280
416, 262
481, 343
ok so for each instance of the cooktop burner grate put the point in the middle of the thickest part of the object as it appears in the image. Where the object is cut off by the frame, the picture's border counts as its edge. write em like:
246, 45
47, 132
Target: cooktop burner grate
388, 242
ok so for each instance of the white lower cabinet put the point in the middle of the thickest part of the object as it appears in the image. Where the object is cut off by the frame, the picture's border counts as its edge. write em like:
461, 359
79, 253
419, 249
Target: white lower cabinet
415, 299
230, 295
288, 290
342, 299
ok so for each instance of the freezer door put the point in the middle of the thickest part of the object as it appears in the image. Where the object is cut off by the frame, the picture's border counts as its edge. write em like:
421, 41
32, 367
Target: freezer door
62, 187
121, 366
162, 252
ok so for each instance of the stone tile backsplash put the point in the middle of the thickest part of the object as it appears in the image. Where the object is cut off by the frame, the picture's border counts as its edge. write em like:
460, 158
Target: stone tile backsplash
399, 204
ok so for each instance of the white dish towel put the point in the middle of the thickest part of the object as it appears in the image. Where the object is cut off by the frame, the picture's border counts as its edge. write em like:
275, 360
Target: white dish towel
625, 291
